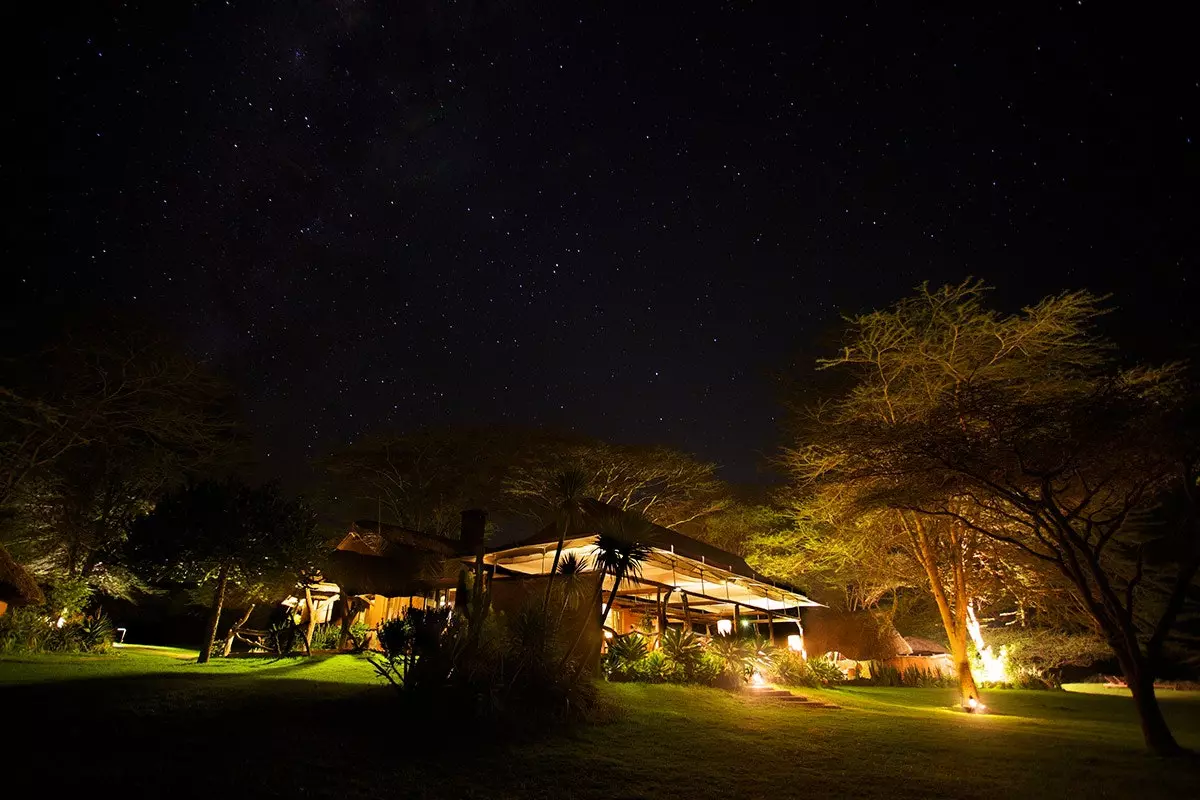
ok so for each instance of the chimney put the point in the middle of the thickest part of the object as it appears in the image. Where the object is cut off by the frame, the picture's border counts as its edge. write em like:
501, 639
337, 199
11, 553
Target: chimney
473, 523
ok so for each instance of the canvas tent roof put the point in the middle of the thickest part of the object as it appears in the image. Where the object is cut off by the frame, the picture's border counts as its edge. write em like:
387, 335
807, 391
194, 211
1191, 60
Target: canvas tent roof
715, 580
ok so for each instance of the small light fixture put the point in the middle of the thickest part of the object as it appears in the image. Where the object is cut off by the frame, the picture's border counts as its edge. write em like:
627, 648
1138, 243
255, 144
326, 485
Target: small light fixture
608, 634
724, 627
795, 642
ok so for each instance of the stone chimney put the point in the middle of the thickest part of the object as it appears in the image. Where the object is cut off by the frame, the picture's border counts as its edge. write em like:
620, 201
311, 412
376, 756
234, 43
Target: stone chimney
473, 523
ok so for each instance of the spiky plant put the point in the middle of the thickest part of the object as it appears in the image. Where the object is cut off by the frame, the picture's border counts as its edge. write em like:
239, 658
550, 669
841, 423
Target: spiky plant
683, 649
570, 486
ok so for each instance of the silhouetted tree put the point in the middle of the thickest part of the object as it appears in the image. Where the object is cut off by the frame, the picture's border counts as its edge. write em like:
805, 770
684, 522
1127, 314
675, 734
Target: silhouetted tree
226, 532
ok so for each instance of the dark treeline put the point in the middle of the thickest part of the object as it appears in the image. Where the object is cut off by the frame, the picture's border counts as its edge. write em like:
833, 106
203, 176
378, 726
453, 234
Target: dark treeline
967, 465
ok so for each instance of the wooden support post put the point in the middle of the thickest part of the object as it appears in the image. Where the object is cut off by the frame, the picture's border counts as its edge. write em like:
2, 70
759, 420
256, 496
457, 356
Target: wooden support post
771, 626
687, 612
737, 620
662, 615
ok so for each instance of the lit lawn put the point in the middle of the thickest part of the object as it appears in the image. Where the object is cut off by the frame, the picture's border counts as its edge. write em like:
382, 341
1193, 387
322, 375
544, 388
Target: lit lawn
153, 724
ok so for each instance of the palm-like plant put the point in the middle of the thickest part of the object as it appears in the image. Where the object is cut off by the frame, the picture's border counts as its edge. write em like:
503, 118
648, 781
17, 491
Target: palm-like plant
569, 486
737, 656
571, 573
624, 653
683, 649
622, 545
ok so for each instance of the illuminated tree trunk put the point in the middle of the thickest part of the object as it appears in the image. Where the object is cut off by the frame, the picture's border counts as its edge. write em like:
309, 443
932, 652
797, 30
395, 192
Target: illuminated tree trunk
952, 606
214, 617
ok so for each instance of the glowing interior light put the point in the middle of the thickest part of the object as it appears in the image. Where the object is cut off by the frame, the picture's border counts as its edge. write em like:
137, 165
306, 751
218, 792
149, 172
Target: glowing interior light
795, 642
608, 634
724, 627
757, 679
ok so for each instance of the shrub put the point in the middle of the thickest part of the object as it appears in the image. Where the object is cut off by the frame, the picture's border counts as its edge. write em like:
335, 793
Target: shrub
29, 630
24, 630
684, 650
95, 632
625, 653
913, 677
476, 664
325, 636
788, 668
67, 597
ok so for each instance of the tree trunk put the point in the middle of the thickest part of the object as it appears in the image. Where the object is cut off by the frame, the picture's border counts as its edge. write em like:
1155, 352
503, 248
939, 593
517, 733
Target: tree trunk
954, 618
214, 619
310, 624
237, 626
349, 615
1155, 731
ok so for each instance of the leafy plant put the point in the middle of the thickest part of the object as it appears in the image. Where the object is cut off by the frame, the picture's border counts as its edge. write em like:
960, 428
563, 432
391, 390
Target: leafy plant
684, 650
623, 656
738, 659
824, 671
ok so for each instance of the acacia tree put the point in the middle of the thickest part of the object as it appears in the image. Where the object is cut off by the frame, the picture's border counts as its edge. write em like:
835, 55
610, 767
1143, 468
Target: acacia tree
223, 533
93, 386
1022, 429
667, 487
97, 426
420, 480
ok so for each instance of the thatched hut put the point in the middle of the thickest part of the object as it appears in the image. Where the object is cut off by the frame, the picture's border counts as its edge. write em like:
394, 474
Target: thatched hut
854, 636
17, 586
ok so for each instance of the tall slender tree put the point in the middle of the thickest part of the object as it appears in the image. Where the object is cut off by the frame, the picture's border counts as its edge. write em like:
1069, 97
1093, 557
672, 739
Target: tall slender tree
226, 532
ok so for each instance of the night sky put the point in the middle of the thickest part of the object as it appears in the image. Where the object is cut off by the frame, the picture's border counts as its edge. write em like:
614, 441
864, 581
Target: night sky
622, 221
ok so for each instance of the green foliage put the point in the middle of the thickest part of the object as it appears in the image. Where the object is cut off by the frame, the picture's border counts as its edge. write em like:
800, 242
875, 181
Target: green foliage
95, 632
1036, 656
789, 668
325, 636
623, 656
912, 677
67, 596
30, 630
479, 664
824, 671
684, 650
282, 637
737, 656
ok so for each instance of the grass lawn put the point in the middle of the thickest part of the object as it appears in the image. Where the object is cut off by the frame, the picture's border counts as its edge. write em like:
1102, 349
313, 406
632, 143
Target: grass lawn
148, 722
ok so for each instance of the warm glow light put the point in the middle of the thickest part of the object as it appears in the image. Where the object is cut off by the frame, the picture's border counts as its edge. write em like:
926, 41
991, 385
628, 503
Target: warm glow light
994, 666
796, 642
757, 679
724, 627
608, 634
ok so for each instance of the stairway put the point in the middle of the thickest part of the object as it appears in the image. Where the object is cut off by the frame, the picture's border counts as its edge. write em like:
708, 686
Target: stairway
784, 696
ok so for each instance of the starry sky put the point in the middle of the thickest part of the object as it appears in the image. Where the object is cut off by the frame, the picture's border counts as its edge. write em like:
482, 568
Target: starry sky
623, 219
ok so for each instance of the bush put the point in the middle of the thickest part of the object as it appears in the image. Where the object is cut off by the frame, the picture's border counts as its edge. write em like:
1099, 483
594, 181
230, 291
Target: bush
788, 668
684, 650
625, 653
67, 597
476, 664
30, 630
325, 636
912, 677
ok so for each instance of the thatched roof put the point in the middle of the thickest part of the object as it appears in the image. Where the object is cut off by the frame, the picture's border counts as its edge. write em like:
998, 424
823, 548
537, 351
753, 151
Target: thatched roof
860, 635
379, 539
924, 647
17, 586
416, 574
